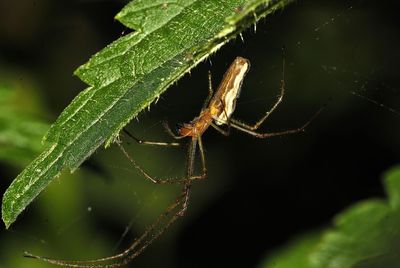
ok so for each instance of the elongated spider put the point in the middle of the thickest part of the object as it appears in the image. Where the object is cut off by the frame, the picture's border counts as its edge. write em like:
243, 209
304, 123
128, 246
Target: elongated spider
216, 112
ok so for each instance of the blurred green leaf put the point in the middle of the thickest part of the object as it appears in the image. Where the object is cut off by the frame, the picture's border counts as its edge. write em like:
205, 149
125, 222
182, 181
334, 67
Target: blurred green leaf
20, 131
295, 254
171, 37
367, 235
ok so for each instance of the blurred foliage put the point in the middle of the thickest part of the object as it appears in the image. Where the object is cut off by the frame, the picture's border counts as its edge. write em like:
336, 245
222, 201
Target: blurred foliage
366, 235
295, 254
21, 124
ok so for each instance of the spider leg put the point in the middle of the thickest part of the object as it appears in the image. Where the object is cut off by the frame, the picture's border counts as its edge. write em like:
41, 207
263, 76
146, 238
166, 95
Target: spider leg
249, 130
149, 142
170, 132
220, 130
227, 122
253, 127
177, 209
210, 92
163, 222
189, 176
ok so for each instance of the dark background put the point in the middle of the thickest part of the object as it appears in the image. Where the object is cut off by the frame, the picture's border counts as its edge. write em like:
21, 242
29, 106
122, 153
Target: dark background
259, 193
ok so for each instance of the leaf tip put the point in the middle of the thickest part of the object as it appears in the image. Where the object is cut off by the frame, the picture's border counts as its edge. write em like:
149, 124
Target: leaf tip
7, 223
9, 213
7, 218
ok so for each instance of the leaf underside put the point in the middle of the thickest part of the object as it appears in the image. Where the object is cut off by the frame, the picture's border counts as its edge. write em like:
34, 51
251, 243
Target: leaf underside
170, 38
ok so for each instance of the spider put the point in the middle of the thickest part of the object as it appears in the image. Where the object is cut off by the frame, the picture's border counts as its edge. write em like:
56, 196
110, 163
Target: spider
216, 112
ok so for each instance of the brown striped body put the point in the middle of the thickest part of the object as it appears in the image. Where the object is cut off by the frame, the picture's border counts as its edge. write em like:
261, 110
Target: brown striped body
223, 103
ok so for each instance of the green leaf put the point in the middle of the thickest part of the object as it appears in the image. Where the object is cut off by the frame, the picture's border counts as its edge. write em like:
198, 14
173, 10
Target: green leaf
367, 235
171, 37
20, 130
295, 254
